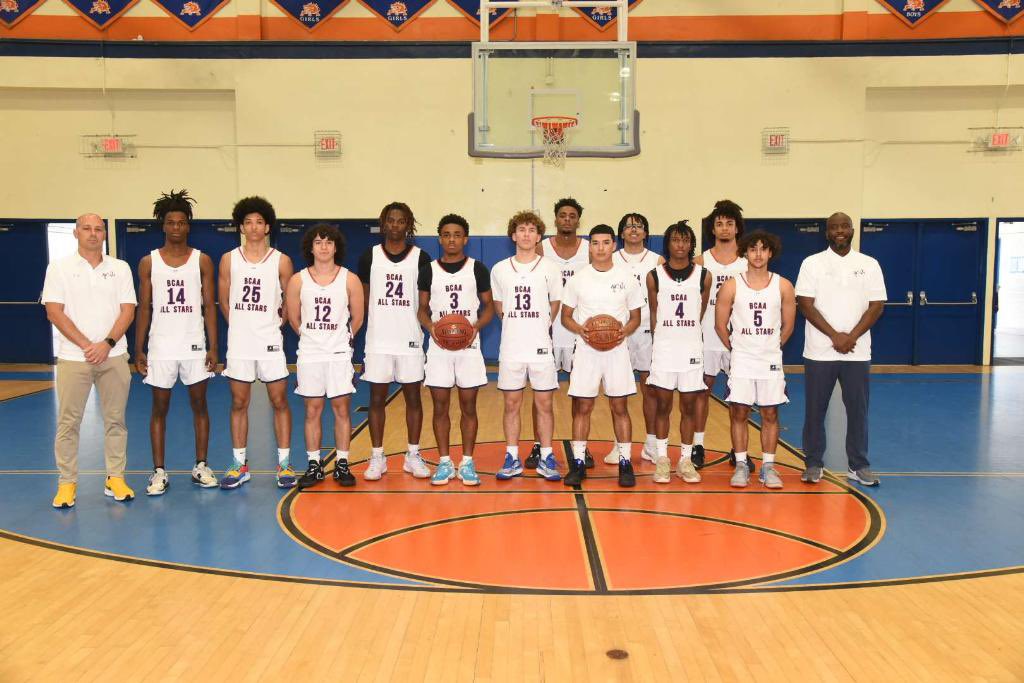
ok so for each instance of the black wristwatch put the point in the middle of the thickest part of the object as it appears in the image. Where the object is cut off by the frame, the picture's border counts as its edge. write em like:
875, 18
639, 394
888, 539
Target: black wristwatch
111, 342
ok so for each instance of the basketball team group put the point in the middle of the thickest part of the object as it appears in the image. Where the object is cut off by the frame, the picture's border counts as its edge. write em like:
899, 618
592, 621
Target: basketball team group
601, 307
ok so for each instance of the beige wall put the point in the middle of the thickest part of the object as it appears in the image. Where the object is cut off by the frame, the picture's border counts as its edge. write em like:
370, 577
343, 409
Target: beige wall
875, 137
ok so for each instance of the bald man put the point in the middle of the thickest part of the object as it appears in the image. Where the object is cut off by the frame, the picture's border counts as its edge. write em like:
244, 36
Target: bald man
90, 298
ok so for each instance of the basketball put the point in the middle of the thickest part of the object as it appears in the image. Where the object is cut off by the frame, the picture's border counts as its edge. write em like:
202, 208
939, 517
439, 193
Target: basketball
603, 331
453, 332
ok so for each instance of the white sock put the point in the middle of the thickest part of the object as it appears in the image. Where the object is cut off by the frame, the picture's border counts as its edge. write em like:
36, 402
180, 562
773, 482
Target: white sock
342, 455
313, 456
545, 452
651, 443
446, 458
513, 451
412, 449
687, 452
579, 450
282, 456
741, 457
661, 446
239, 455
624, 451
768, 458
698, 438
377, 452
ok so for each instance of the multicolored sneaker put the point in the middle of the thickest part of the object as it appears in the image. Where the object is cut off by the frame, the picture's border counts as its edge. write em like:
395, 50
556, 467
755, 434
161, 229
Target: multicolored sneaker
444, 473
158, 483
235, 477
467, 473
342, 474
314, 475
548, 468
510, 468
286, 477
203, 476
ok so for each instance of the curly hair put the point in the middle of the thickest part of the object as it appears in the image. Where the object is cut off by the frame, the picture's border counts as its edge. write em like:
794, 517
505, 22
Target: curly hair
569, 201
254, 204
453, 219
522, 218
173, 201
639, 218
769, 241
681, 228
328, 232
725, 208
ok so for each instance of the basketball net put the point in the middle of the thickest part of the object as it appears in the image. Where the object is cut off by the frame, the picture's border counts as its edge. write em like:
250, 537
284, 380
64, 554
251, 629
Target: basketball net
554, 137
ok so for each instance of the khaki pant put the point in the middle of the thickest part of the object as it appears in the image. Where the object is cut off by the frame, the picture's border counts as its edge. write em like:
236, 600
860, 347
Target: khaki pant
75, 380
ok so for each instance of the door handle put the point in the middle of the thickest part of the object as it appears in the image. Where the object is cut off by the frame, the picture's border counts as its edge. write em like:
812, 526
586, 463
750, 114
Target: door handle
923, 300
908, 302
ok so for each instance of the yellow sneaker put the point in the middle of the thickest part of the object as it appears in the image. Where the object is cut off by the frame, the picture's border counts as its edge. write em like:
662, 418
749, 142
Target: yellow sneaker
117, 489
65, 497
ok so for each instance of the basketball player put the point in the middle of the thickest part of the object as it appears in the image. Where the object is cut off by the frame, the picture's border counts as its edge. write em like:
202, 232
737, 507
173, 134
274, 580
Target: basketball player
724, 226
605, 287
527, 290
176, 295
569, 251
678, 293
455, 284
252, 281
394, 340
634, 255
754, 317
325, 308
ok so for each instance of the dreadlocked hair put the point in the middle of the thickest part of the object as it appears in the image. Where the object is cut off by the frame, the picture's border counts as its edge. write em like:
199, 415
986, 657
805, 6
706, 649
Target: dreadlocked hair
173, 201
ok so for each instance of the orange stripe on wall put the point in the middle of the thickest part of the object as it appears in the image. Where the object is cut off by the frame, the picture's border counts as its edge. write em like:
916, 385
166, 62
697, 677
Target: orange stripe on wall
125, 28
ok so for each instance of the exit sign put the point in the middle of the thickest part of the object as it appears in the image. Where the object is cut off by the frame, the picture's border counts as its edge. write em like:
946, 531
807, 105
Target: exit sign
112, 145
775, 141
1000, 140
327, 144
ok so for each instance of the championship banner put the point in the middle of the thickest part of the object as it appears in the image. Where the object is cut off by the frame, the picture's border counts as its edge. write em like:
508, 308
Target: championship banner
100, 13
601, 17
398, 13
310, 13
471, 9
191, 13
1007, 10
912, 12
13, 11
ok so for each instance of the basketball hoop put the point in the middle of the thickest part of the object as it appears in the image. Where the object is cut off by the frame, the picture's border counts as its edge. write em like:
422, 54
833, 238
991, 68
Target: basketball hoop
554, 137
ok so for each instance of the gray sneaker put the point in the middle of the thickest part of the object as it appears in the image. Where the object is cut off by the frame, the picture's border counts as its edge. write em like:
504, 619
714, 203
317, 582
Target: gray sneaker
740, 476
811, 475
863, 476
769, 476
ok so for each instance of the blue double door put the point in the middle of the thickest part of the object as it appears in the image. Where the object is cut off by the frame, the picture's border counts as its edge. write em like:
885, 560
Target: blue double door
935, 277
24, 254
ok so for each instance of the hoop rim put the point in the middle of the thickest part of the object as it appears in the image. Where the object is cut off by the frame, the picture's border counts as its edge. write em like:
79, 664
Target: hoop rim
554, 122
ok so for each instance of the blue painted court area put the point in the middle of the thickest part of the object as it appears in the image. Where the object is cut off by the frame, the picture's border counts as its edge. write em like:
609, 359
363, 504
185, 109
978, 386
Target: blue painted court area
952, 494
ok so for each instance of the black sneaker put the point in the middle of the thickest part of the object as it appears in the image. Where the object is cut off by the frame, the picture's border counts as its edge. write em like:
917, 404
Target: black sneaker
626, 476
314, 475
698, 456
533, 459
342, 474
588, 459
576, 474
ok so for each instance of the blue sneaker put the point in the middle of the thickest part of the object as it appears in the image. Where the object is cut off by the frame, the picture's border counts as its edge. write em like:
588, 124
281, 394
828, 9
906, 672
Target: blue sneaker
548, 468
444, 473
467, 473
511, 468
235, 477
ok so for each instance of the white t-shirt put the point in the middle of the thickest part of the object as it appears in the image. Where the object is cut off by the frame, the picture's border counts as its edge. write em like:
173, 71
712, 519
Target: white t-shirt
592, 292
842, 287
92, 298
525, 291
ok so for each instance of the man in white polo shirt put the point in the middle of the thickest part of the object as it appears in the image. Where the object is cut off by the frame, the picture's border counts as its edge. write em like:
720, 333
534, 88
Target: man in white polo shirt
90, 298
841, 292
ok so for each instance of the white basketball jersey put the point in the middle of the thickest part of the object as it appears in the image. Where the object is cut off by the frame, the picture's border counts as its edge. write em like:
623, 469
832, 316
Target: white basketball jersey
177, 331
640, 265
392, 327
455, 294
325, 332
562, 338
526, 308
719, 275
254, 302
756, 325
678, 345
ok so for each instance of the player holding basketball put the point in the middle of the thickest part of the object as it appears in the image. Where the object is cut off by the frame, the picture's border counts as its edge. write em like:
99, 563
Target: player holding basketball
634, 255
724, 226
603, 287
758, 307
325, 308
394, 340
455, 284
678, 293
569, 251
176, 303
252, 280
527, 290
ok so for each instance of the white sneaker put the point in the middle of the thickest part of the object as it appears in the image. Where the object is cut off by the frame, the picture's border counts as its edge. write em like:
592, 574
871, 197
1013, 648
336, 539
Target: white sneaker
687, 472
157, 483
376, 469
649, 456
203, 476
415, 466
612, 458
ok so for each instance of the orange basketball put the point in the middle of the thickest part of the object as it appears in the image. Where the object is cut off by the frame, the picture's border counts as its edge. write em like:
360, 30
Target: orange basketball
603, 331
453, 332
